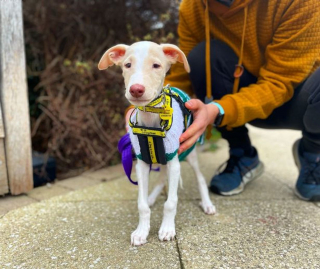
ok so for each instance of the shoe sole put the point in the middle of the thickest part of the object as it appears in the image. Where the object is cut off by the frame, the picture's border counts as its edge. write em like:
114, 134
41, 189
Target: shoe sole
247, 178
295, 152
315, 198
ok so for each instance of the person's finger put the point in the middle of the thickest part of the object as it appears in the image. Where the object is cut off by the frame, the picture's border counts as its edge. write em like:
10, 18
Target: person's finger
127, 116
189, 143
193, 104
191, 131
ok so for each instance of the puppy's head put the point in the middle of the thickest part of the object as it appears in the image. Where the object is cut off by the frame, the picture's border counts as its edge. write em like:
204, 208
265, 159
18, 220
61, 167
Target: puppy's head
144, 65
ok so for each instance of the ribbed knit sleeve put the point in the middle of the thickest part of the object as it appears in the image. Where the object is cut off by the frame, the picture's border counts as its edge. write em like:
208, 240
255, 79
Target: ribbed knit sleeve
281, 48
289, 59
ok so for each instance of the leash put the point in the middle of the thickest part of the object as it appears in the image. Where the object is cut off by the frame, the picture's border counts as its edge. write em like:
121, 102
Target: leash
125, 148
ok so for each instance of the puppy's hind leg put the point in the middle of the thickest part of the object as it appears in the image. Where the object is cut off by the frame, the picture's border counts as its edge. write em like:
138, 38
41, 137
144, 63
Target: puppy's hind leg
139, 236
159, 187
205, 203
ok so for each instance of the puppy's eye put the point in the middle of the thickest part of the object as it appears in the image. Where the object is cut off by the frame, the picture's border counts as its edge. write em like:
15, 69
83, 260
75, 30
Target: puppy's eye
156, 66
128, 65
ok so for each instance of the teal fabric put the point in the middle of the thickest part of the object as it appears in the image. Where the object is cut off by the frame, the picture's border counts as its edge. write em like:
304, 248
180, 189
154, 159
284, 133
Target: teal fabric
185, 97
170, 156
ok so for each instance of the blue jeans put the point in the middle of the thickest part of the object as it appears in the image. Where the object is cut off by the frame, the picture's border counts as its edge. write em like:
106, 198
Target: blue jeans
301, 112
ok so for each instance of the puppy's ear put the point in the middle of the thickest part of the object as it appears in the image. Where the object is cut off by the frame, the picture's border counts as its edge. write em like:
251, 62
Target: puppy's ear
174, 54
112, 56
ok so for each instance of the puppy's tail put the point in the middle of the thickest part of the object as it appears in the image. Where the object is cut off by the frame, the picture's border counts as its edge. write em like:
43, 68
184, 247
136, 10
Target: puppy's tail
180, 181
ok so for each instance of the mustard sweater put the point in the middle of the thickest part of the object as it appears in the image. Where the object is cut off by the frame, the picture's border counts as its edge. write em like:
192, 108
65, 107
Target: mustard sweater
281, 48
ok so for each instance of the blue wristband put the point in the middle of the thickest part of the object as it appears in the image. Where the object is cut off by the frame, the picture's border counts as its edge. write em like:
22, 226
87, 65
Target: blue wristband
221, 110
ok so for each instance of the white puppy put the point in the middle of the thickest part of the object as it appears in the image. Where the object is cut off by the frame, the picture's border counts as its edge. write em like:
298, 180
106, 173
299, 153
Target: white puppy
144, 66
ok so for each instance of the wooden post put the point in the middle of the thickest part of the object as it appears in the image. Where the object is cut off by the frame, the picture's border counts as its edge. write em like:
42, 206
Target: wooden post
3, 164
14, 98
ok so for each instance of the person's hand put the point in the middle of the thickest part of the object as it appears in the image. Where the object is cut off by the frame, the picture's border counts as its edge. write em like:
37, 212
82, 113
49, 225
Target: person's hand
127, 116
203, 116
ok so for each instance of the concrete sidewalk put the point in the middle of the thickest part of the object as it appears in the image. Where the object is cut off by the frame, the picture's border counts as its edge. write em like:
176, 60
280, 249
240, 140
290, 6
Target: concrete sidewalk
90, 226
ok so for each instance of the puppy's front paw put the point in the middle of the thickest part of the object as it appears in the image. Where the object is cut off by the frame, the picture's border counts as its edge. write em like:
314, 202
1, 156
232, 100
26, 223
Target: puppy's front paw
139, 236
167, 232
208, 207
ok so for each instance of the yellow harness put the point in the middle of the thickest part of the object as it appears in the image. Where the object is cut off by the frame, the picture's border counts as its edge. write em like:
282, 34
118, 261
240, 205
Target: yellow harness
151, 138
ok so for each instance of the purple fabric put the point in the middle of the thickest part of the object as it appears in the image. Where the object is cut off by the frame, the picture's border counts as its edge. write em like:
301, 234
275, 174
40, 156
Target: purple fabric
125, 148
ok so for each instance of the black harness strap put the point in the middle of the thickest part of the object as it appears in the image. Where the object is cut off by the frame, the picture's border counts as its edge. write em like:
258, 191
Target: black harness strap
157, 148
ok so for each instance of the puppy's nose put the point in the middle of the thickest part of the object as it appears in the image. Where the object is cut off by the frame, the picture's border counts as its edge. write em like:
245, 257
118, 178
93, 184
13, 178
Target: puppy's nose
137, 90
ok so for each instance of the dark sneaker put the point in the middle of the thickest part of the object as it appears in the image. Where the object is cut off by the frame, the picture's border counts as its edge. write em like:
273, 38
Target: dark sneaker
308, 183
239, 171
